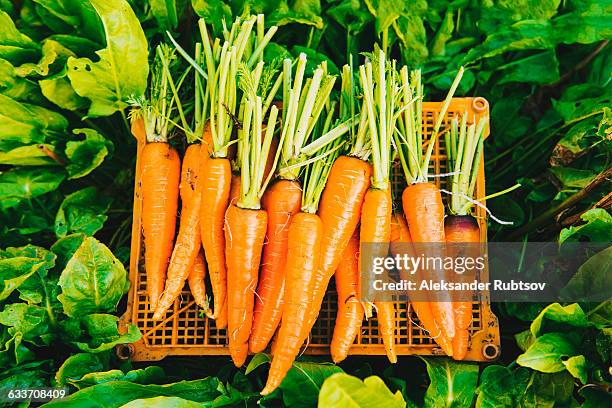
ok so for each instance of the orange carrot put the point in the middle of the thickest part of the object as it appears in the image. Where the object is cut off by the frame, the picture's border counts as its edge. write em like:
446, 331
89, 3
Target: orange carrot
340, 210
376, 231
424, 211
160, 180
234, 188
196, 283
350, 310
216, 182
244, 235
461, 229
303, 252
281, 201
401, 241
271, 157
188, 241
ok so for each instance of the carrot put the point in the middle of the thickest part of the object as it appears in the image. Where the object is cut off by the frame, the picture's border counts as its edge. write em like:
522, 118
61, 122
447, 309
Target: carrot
160, 172
188, 241
379, 93
461, 229
222, 62
402, 241
303, 253
196, 283
421, 200
350, 311
160, 179
244, 233
281, 201
464, 150
303, 257
305, 104
340, 207
234, 188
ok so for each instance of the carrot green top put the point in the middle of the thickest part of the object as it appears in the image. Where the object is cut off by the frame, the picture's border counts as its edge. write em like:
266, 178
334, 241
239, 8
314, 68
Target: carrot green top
303, 103
359, 145
409, 136
158, 108
218, 63
378, 80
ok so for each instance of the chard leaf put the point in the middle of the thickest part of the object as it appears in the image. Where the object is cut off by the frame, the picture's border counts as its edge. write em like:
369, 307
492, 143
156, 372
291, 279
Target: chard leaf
58, 89
97, 333
548, 352
24, 124
501, 387
16, 87
93, 281
597, 227
15, 47
559, 318
22, 183
32, 155
147, 375
30, 321
78, 365
54, 56
166, 13
66, 16
86, 155
577, 367
117, 393
82, 211
593, 280
343, 390
123, 67
214, 12
451, 383
353, 15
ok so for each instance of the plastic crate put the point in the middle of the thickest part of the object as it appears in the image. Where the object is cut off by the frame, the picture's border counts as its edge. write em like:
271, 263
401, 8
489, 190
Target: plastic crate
185, 332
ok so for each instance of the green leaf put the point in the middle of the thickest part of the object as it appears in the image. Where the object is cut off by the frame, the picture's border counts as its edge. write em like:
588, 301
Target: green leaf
548, 390
24, 124
16, 87
451, 383
99, 333
541, 68
573, 178
93, 281
22, 183
559, 318
15, 47
71, 15
15, 271
165, 12
30, 321
524, 339
32, 155
577, 367
123, 67
581, 100
314, 59
343, 390
597, 227
12, 351
411, 32
79, 365
59, 90
501, 387
162, 402
214, 12
303, 382
547, 352
54, 56
353, 15
117, 393
147, 375
385, 12
257, 360
306, 12
65, 248
86, 155
29, 375
82, 211
593, 280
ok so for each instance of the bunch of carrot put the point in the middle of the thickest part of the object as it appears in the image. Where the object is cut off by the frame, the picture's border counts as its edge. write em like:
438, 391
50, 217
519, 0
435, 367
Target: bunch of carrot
276, 197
